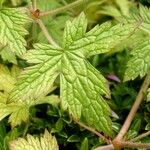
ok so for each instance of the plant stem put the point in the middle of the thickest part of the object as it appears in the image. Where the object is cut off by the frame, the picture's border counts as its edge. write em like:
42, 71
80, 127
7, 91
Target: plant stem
93, 131
141, 136
134, 108
14, 3
135, 145
107, 147
126, 144
46, 33
62, 9
30, 5
34, 4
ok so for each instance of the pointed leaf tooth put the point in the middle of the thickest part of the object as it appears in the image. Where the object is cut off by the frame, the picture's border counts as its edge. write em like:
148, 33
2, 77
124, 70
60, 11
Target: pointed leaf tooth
74, 30
44, 142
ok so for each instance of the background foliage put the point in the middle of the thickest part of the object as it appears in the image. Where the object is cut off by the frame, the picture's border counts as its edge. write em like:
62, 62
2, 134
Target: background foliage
33, 117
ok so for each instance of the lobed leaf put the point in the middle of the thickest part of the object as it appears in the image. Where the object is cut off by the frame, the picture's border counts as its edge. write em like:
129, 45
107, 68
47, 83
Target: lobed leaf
103, 38
142, 17
37, 81
12, 29
82, 87
138, 64
45, 142
18, 111
74, 30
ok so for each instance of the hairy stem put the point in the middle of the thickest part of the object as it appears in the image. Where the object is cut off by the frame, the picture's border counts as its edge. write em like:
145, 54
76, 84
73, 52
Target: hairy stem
134, 108
141, 136
93, 131
46, 33
62, 9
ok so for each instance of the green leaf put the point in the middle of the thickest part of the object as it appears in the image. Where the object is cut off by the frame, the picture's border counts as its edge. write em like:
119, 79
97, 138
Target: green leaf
103, 38
138, 64
82, 87
84, 144
142, 17
134, 128
1, 3
36, 81
124, 6
18, 111
12, 29
8, 55
75, 30
11, 135
45, 142
59, 125
147, 127
6, 80
73, 138
16, 2
4, 110
52, 99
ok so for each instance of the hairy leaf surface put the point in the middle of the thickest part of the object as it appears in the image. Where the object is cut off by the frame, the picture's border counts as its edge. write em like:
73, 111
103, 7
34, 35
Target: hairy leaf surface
82, 87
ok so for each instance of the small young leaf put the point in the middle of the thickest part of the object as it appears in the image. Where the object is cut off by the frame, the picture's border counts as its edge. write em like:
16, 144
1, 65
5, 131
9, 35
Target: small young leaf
59, 125
73, 138
84, 145
45, 142
147, 127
